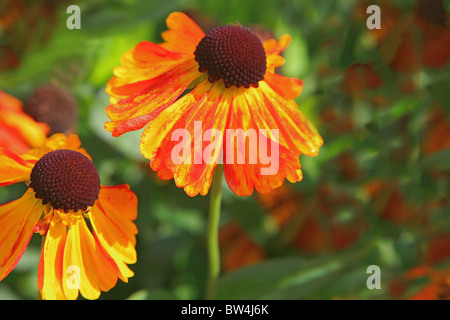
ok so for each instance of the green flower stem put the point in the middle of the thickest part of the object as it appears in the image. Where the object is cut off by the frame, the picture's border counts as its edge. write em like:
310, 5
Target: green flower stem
213, 232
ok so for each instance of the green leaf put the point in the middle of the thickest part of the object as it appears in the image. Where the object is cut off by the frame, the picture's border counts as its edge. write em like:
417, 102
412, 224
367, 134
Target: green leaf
152, 294
283, 278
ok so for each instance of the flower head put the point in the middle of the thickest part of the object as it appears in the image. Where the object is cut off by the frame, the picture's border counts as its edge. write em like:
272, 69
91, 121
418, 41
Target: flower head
88, 228
232, 53
54, 106
209, 99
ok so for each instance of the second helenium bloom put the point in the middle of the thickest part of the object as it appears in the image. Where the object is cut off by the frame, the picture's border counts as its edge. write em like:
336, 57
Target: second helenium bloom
197, 94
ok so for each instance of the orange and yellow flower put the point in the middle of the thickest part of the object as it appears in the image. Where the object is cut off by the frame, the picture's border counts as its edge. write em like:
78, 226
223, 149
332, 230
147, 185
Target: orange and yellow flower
224, 80
88, 229
18, 131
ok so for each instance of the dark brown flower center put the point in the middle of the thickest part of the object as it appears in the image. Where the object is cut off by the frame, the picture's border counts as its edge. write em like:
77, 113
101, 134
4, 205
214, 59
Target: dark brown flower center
66, 179
53, 106
234, 54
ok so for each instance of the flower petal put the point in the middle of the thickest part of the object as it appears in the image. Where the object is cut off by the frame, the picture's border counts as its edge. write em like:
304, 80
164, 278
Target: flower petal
145, 100
288, 88
17, 220
265, 163
50, 272
9, 102
196, 114
183, 34
111, 219
271, 111
86, 267
161, 127
145, 61
13, 169
18, 131
11, 139
244, 178
32, 133
55, 142
273, 50
206, 125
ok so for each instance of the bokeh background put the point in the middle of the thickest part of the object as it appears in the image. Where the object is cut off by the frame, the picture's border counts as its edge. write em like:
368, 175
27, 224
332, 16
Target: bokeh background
377, 194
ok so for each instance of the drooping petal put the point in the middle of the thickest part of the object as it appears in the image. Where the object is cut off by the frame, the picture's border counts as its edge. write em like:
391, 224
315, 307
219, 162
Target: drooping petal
17, 220
183, 34
144, 100
135, 90
206, 125
145, 61
271, 111
50, 272
208, 107
161, 127
199, 123
13, 169
288, 88
86, 267
111, 219
243, 179
259, 162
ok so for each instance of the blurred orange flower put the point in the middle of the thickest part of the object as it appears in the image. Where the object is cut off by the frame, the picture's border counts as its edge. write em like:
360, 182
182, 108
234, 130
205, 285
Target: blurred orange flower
18, 131
437, 132
389, 203
359, 77
438, 286
237, 248
413, 39
311, 224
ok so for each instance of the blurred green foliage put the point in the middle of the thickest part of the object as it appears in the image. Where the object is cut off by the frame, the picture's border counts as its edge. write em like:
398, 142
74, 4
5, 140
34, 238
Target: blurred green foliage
376, 128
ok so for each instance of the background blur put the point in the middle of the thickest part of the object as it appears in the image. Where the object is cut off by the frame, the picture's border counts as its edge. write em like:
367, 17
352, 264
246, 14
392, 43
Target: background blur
377, 194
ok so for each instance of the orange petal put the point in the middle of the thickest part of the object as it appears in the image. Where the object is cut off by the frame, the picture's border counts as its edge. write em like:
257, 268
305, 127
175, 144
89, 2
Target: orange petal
273, 50
18, 131
264, 162
11, 138
271, 111
288, 88
50, 272
9, 102
13, 169
56, 142
86, 267
161, 127
183, 34
17, 220
272, 46
206, 125
111, 219
32, 133
244, 178
206, 105
144, 100
146, 60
